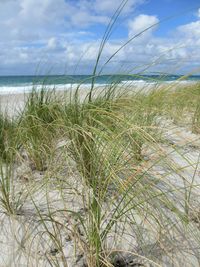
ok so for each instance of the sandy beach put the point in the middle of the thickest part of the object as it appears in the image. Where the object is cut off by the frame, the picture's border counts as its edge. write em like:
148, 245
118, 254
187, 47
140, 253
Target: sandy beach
11, 103
14, 102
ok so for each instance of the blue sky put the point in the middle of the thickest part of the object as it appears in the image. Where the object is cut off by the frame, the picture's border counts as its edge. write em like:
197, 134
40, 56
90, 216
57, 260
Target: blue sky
63, 36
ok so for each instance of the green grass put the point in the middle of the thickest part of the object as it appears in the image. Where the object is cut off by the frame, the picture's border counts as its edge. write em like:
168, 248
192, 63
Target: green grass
182, 104
104, 138
7, 137
38, 126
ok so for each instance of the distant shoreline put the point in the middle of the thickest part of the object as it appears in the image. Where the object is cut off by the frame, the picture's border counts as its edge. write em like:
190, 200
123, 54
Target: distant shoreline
21, 89
12, 102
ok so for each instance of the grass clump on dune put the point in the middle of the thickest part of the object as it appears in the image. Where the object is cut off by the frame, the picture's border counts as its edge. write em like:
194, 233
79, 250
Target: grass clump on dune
101, 137
7, 137
43, 104
182, 103
99, 146
39, 124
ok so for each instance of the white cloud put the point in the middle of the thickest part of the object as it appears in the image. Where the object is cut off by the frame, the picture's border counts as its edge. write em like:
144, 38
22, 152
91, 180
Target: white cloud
108, 6
198, 14
32, 19
55, 45
58, 31
82, 19
140, 23
191, 30
8, 9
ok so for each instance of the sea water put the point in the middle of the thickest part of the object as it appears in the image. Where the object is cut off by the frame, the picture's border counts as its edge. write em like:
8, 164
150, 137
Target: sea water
21, 84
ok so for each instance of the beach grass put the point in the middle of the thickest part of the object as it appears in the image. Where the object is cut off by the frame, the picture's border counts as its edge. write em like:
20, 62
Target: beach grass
7, 137
94, 149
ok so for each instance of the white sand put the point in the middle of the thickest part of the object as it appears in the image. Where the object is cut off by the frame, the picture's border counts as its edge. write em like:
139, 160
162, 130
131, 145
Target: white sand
12, 103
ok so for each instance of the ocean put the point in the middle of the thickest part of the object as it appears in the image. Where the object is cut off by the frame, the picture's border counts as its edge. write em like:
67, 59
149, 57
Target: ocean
21, 84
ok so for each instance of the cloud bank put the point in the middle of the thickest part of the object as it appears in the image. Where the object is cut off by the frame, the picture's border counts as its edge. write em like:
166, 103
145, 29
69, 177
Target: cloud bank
63, 33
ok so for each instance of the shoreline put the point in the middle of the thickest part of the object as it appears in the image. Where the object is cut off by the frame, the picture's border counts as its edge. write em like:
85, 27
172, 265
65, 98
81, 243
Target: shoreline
12, 102
25, 89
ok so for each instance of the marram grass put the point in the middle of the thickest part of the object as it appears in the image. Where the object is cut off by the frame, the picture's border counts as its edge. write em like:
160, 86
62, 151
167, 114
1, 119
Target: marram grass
89, 153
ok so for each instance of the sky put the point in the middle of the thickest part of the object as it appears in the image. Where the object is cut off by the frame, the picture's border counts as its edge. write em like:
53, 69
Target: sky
64, 36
